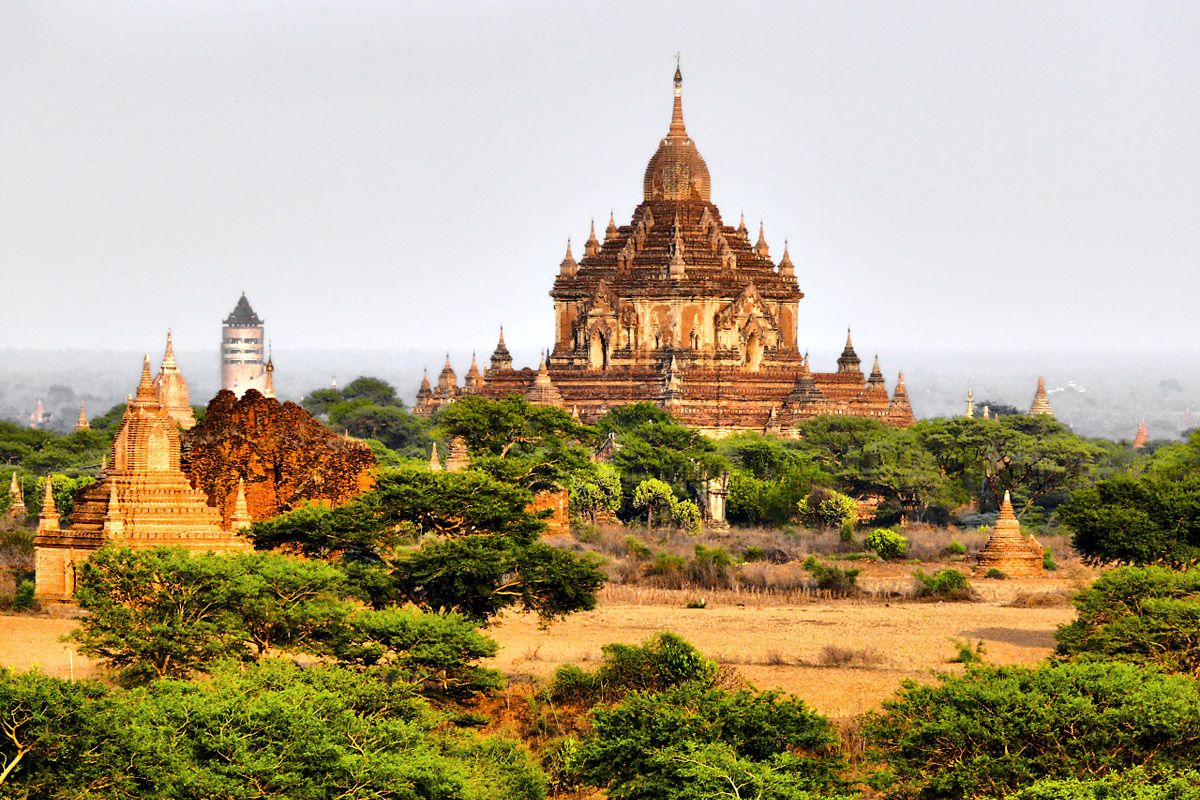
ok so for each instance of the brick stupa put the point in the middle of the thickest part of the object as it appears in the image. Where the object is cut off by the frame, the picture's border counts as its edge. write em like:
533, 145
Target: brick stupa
143, 500
172, 389
16, 504
1008, 550
1142, 436
1041, 403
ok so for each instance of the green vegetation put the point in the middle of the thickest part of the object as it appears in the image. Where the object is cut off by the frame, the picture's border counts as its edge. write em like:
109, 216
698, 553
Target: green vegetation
945, 584
887, 544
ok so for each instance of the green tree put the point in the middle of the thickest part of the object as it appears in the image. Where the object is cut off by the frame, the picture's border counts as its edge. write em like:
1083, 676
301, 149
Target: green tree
597, 491
826, 508
992, 731
40, 721
1147, 616
656, 498
1130, 520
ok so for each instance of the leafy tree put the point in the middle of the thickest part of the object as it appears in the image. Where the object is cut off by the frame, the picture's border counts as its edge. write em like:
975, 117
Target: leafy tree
595, 492
826, 508
373, 390
39, 721
537, 447
656, 498
653, 444
1136, 784
435, 651
689, 741
1130, 520
1147, 616
397, 429
992, 731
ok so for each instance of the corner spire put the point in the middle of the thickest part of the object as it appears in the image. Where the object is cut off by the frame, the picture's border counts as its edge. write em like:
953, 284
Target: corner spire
569, 266
168, 361
786, 267
761, 246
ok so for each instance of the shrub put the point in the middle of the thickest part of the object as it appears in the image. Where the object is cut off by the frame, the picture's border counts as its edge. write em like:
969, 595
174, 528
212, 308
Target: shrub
1012, 726
711, 567
966, 653
825, 508
657, 498
832, 578
754, 553
25, 597
637, 548
662, 662
1147, 615
691, 742
956, 548
1048, 561
994, 574
1136, 784
945, 584
887, 544
686, 515
697, 602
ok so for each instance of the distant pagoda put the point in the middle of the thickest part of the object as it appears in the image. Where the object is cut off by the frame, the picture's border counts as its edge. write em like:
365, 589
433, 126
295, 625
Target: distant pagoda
1141, 437
681, 310
1041, 404
245, 362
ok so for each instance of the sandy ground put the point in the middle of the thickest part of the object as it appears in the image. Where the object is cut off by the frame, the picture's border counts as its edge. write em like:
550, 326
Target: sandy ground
782, 647
775, 646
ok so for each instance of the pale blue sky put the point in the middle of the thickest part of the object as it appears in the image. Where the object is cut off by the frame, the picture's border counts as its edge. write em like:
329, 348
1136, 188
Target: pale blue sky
968, 175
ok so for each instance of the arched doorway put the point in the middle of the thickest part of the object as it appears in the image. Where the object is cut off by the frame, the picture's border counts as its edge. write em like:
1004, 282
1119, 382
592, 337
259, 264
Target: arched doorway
598, 351
754, 353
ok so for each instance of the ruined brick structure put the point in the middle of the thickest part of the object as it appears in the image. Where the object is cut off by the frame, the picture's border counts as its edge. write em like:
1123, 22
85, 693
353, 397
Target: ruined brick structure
680, 309
284, 457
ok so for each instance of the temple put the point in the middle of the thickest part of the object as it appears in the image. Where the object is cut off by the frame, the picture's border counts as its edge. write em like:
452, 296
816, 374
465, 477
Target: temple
242, 353
1041, 403
680, 309
1008, 550
143, 499
1141, 437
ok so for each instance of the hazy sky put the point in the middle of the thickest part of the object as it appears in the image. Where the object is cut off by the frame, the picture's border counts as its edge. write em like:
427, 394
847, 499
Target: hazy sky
949, 174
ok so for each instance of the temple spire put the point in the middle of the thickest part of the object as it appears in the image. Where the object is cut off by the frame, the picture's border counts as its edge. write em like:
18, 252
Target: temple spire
848, 361
785, 264
591, 247
145, 388
82, 423
568, 267
168, 361
16, 505
612, 229
970, 412
677, 131
240, 519
761, 246
48, 518
1041, 404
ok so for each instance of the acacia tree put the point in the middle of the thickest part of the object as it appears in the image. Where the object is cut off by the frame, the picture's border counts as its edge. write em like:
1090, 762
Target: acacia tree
1145, 520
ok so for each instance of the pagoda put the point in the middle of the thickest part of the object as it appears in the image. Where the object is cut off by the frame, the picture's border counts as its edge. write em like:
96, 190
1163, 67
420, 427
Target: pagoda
16, 502
679, 309
1041, 403
1008, 550
143, 500
242, 348
172, 389
1141, 437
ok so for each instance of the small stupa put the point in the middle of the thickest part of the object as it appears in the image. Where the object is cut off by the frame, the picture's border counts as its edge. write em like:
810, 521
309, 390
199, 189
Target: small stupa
1142, 436
1041, 404
435, 463
1008, 550
457, 456
543, 391
82, 424
16, 506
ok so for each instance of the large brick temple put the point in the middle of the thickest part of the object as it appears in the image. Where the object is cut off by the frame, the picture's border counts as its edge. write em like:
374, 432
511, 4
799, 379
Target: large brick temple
680, 309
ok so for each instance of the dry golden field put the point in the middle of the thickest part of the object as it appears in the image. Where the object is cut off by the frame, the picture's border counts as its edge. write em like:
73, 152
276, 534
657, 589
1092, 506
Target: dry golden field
842, 656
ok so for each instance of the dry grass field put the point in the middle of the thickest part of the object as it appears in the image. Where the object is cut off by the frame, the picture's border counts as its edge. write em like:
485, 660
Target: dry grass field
842, 656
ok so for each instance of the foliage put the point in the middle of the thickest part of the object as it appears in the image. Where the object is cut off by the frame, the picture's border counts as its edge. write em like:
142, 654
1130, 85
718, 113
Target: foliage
595, 491
653, 444
685, 515
1129, 520
993, 731
1136, 784
656, 498
830, 577
534, 446
956, 548
768, 480
826, 508
25, 596
694, 742
271, 730
945, 584
662, 662
1148, 616
965, 653
368, 408
887, 544
1048, 562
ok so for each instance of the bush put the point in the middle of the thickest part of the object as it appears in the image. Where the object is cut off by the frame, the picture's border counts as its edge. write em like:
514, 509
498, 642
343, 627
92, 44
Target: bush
754, 553
662, 662
825, 508
994, 574
711, 568
956, 548
1143, 615
1048, 561
1012, 726
1135, 784
966, 653
945, 584
887, 544
686, 515
25, 597
690, 743
832, 578
637, 548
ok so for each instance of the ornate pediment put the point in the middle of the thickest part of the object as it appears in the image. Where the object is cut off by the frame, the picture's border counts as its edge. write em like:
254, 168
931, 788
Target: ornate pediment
747, 306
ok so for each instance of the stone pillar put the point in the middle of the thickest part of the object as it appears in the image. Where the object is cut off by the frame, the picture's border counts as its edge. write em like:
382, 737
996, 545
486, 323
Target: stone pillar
715, 493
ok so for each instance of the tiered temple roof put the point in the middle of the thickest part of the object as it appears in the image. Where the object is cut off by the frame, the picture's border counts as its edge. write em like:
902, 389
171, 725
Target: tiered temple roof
172, 388
1008, 550
679, 309
143, 500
